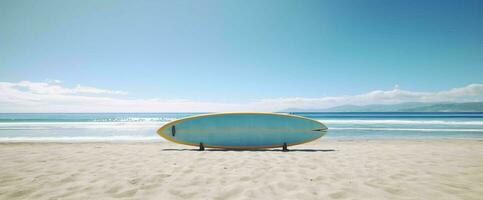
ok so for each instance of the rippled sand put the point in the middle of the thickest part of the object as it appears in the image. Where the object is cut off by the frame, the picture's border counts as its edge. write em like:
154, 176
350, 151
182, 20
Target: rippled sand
327, 169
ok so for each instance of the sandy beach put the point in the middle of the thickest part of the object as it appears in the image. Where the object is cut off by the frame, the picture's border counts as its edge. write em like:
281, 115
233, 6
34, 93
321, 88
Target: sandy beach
326, 169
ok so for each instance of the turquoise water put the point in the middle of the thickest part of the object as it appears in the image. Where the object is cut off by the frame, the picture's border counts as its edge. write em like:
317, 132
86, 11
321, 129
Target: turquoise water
143, 126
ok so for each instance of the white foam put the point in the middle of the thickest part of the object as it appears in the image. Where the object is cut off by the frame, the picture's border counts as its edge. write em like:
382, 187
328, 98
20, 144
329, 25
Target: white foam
70, 125
415, 122
80, 139
139, 119
410, 129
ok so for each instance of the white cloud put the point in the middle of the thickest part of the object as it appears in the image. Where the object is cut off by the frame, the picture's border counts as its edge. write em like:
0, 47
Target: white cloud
51, 87
53, 81
26, 96
469, 93
84, 89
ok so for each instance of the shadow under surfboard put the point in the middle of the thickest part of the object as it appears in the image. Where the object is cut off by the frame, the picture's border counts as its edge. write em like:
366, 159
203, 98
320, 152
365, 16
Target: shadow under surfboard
256, 150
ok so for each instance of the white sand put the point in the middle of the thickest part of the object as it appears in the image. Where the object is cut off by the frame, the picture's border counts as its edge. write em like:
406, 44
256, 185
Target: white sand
327, 169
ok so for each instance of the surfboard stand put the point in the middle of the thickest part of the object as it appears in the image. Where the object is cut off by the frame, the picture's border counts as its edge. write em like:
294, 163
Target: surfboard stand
284, 147
202, 147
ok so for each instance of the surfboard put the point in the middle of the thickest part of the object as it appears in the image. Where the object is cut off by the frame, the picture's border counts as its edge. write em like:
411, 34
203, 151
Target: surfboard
243, 130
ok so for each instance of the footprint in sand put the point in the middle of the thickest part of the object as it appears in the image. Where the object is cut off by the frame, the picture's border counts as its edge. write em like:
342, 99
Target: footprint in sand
229, 194
181, 194
126, 194
338, 195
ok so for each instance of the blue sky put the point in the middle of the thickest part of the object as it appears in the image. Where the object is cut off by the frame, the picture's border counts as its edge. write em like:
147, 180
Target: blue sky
237, 52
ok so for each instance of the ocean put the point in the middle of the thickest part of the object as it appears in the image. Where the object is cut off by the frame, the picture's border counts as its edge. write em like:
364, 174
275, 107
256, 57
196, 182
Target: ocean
143, 126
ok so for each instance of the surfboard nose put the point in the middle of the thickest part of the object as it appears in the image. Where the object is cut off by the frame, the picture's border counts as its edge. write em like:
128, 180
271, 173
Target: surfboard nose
167, 131
321, 128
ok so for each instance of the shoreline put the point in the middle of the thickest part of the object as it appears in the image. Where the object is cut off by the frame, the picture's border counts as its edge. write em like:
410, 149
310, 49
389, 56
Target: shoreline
161, 140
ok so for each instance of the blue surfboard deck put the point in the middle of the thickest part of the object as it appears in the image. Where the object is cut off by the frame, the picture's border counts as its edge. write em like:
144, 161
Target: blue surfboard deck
243, 130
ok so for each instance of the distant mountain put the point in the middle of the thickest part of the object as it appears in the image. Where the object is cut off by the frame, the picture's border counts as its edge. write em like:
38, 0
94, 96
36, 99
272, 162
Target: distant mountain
402, 107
